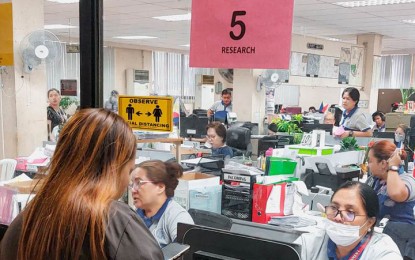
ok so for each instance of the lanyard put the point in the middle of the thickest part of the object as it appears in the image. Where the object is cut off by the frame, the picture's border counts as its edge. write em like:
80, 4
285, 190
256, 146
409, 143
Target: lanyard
345, 116
356, 254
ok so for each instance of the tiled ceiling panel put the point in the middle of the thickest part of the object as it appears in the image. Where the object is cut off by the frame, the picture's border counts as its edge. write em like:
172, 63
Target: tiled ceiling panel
319, 18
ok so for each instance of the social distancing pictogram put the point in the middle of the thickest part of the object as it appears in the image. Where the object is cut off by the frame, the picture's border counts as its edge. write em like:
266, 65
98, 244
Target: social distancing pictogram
147, 113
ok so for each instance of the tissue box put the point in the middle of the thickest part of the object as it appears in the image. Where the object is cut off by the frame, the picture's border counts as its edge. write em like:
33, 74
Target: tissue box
206, 198
191, 181
21, 164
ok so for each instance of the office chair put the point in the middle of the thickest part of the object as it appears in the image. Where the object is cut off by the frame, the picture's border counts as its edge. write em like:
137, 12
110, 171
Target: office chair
239, 139
210, 219
7, 169
402, 234
3, 229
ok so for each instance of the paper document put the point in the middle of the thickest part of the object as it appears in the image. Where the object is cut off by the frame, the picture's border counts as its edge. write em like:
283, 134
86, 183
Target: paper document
196, 161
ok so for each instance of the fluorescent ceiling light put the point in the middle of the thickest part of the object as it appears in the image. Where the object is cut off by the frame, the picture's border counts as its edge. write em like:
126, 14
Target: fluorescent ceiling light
408, 21
58, 26
174, 18
331, 39
138, 37
64, 1
185, 45
373, 2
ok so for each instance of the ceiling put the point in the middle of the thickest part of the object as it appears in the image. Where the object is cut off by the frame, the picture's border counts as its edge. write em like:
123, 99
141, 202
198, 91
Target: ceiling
318, 18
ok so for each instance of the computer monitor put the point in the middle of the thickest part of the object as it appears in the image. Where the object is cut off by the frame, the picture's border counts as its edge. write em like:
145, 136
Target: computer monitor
221, 116
221, 244
273, 141
310, 127
390, 135
200, 112
193, 126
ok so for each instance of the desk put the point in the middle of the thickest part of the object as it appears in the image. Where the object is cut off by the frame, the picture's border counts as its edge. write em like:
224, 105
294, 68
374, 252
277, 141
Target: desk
176, 141
266, 231
309, 239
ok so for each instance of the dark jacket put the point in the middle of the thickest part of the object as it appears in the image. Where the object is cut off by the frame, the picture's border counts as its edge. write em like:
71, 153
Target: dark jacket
126, 237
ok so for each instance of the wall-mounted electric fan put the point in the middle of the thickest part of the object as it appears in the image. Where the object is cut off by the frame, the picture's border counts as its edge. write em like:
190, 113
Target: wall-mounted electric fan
39, 46
227, 74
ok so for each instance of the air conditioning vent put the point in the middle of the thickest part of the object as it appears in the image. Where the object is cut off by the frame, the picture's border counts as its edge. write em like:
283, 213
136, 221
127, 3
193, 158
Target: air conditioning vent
141, 76
208, 80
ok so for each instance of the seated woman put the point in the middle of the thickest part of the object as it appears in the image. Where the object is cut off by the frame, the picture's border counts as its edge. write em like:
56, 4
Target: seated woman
153, 185
351, 217
396, 193
75, 214
400, 135
216, 137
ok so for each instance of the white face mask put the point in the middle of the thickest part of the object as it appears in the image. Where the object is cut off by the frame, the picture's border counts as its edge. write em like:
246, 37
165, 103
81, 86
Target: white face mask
399, 138
341, 234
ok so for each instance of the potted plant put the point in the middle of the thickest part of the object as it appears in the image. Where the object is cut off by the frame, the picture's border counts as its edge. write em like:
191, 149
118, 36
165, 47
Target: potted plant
291, 127
67, 102
406, 94
349, 144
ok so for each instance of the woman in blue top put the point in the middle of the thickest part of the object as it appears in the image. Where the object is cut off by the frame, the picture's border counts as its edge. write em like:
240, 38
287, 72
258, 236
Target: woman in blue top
216, 136
354, 121
400, 135
396, 193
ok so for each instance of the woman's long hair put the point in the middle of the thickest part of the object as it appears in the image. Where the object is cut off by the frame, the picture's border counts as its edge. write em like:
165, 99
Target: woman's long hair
70, 211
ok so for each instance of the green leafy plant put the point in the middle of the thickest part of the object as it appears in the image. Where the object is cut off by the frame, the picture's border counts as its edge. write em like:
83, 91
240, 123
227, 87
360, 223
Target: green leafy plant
67, 101
406, 94
289, 126
349, 144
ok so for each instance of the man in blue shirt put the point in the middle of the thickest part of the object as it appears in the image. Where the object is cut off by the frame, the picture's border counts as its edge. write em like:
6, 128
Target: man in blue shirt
225, 104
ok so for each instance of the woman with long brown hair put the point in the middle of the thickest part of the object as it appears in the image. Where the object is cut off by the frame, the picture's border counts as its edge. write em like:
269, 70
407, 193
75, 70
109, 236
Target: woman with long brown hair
75, 214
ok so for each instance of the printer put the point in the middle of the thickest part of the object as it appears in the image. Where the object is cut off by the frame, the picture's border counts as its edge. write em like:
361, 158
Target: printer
331, 170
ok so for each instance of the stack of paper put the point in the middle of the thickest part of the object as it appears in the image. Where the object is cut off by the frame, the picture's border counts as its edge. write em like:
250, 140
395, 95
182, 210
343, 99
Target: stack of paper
292, 221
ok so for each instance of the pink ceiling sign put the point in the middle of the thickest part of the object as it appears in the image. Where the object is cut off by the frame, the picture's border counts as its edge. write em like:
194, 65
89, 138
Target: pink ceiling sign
241, 34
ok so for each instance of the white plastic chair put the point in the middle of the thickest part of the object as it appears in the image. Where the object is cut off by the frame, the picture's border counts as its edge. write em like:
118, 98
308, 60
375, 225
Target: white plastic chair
7, 169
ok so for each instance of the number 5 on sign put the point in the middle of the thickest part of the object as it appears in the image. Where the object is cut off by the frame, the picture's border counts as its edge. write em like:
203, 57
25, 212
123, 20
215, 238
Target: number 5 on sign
235, 23
241, 33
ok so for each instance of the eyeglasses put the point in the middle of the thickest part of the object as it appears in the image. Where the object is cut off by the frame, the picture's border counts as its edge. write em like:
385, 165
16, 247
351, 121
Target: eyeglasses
347, 216
137, 184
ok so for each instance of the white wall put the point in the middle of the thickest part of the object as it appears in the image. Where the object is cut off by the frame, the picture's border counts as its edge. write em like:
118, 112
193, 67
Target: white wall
129, 59
315, 90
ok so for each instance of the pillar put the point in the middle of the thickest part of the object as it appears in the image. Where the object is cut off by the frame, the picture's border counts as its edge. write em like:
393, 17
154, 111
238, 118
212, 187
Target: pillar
373, 50
23, 123
248, 103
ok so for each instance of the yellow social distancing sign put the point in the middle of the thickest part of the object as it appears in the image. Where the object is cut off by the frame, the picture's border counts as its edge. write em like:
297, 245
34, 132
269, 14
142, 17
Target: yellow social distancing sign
6, 35
147, 113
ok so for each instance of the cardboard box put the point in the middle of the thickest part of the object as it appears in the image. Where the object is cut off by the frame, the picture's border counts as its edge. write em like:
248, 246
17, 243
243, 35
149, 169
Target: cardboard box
26, 186
192, 181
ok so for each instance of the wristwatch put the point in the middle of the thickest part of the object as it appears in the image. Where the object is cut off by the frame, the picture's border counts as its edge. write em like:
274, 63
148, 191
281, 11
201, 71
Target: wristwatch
393, 168
350, 133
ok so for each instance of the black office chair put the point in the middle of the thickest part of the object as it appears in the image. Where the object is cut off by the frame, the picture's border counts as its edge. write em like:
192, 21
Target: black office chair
3, 229
239, 139
403, 235
210, 219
